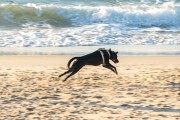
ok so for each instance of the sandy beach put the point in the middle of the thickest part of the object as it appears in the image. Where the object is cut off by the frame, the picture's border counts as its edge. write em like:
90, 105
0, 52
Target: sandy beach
146, 88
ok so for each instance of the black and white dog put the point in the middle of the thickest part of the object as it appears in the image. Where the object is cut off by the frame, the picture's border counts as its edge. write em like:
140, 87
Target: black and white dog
101, 56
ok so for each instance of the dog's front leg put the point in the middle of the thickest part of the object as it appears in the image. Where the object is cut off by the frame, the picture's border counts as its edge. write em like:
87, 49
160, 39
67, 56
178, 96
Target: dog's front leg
110, 67
113, 68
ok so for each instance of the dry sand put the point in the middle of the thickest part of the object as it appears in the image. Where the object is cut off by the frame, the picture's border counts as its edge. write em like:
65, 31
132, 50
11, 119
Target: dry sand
146, 88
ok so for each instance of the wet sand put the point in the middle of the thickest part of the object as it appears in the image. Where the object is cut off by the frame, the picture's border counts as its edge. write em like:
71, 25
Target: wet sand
146, 88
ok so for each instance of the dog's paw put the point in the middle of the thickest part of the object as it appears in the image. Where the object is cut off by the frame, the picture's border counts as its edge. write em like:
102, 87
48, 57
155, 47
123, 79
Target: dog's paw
63, 80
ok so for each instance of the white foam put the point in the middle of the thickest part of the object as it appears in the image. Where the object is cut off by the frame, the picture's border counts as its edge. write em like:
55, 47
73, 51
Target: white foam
162, 15
100, 34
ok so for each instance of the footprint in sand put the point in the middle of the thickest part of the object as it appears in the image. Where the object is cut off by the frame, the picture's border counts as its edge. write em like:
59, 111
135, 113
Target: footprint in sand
4, 74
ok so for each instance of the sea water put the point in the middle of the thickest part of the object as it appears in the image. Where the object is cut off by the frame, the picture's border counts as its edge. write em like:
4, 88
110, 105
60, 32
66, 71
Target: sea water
70, 23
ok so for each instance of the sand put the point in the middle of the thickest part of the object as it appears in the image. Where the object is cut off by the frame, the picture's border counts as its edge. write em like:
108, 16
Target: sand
146, 88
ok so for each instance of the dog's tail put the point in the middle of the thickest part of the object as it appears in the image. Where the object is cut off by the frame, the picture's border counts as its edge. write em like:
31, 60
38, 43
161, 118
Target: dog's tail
71, 61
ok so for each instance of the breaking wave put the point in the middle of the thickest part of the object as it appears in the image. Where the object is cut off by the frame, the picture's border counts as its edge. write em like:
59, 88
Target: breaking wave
167, 15
16, 15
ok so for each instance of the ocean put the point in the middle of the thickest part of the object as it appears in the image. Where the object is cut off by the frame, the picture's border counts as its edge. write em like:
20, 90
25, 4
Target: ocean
58, 24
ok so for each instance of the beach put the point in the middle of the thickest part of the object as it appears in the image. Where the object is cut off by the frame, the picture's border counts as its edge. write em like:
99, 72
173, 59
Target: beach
146, 88
39, 37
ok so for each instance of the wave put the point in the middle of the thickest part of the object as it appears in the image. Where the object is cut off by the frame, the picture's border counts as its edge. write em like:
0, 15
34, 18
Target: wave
17, 15
124, 15
166, 15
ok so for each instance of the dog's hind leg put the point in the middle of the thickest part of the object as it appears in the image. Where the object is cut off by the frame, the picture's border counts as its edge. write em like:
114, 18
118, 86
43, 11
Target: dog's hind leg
74, 71
70, 69
65, 73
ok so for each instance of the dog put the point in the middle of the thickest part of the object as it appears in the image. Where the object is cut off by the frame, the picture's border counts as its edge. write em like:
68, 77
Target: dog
98, 57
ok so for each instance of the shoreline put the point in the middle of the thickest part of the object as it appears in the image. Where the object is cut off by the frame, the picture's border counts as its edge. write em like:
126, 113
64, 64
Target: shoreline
124, 50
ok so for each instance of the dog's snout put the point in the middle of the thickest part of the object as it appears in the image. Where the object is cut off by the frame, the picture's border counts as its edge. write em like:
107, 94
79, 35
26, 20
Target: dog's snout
115, 61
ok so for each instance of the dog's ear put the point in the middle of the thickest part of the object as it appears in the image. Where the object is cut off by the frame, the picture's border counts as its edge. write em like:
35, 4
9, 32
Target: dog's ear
117, 52
109, 49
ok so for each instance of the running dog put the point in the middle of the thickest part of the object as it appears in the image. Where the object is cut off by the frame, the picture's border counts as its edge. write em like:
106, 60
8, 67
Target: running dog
100, 56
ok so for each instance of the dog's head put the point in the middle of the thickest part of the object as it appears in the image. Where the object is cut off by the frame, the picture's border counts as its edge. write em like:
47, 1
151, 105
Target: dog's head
113, 56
